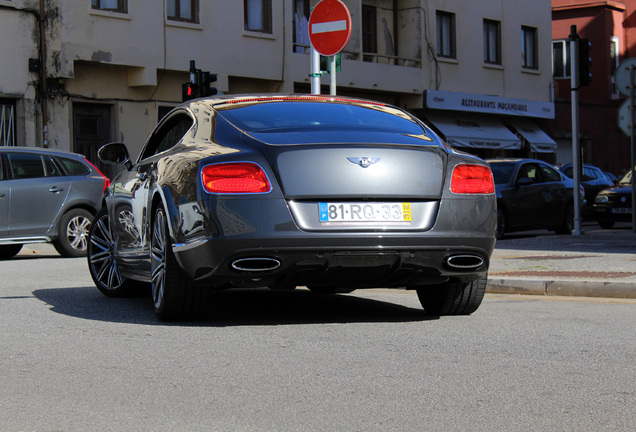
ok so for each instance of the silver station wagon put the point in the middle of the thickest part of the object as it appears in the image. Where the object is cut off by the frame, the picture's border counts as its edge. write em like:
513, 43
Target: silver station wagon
47, 196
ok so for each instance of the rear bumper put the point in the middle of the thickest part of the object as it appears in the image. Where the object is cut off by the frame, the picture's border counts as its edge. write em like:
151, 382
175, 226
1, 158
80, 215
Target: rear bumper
361, 263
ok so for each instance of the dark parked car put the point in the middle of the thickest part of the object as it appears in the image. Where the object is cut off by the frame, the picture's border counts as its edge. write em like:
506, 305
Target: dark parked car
614, 204
330, 193
593, 180
47, 196
532, 194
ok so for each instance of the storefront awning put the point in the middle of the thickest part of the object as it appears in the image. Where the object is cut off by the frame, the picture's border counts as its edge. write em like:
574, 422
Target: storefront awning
530, 131
466, 130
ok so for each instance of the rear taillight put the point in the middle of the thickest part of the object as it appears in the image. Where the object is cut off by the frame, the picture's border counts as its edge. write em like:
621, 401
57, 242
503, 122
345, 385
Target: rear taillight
235, 178
106, 179
472, 179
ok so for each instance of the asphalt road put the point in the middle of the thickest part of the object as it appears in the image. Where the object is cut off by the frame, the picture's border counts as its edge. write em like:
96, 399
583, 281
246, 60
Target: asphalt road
73, 360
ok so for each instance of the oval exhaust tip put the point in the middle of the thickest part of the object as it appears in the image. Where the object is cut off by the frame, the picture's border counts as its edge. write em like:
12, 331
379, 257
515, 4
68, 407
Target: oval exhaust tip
255, 264
464, 262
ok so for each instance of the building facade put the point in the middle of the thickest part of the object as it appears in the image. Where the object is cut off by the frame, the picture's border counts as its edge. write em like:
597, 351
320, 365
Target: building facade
80, 73
609, 26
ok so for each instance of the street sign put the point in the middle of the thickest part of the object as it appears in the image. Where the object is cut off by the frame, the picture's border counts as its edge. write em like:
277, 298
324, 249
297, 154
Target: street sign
622, 76
625, 117
330, 27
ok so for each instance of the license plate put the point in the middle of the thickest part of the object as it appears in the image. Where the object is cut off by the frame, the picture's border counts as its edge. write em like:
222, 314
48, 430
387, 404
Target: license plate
621, 210
365, 212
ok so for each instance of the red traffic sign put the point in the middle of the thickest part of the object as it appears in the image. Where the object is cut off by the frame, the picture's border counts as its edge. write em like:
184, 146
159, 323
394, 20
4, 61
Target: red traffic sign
330, 27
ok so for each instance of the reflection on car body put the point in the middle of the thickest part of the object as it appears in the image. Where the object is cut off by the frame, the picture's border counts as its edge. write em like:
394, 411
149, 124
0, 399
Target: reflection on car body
281, 191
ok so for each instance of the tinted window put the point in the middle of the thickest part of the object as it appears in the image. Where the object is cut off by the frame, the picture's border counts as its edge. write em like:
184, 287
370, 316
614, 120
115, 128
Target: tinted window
549, 174
73, 167
168, 134
277, 116
531, 171
52, 169
25, 165
502, 172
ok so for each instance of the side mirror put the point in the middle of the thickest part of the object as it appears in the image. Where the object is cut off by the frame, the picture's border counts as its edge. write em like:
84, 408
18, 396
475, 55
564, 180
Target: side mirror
115, 154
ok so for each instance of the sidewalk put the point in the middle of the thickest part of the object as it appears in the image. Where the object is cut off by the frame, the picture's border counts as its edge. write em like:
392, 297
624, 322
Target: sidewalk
597, 263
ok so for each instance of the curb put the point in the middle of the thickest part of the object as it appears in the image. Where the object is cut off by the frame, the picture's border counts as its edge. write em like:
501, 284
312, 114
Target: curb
574, 287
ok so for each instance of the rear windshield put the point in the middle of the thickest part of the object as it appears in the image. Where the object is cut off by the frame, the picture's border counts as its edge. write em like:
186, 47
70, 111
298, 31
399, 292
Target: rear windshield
279, 116
502, 171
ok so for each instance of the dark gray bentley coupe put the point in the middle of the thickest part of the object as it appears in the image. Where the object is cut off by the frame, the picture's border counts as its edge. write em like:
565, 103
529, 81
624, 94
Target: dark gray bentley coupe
330, 193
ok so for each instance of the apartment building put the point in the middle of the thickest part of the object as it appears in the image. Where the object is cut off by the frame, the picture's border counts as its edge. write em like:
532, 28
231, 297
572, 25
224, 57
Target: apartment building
78, 73
610, 27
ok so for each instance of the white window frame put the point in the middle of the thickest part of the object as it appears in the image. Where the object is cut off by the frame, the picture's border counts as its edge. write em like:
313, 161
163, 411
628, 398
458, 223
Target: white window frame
564, 61
615, 53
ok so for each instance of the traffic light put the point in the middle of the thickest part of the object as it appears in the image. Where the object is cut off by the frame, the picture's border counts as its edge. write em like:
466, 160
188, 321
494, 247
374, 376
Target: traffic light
190, 91
208, 79
199, 85
585, 62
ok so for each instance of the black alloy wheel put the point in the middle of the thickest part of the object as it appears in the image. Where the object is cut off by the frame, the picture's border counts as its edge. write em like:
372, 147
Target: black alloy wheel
101, 262
175, 296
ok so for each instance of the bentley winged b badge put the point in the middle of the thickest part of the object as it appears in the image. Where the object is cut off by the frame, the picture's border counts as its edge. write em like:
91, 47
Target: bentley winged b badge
364, 162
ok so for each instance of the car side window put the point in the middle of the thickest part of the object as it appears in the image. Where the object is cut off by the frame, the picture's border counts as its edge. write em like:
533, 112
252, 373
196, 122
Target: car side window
52, 170
25, 165
549, 174
531, 171
168, 135
73, 167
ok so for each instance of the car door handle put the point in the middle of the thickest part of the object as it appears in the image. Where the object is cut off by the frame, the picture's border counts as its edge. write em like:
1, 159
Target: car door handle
55, 189
1, 195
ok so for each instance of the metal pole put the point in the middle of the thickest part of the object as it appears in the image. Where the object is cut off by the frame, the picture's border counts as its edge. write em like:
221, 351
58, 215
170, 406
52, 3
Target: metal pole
45, 91
632, 109
574, 87
315, 71
332, 86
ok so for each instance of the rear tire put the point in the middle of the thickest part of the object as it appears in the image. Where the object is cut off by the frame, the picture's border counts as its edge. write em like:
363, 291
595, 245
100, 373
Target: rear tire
9, 251
452, 298
176, 297
72, 240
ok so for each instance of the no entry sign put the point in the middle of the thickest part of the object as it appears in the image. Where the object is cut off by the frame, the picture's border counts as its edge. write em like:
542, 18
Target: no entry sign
330, 27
